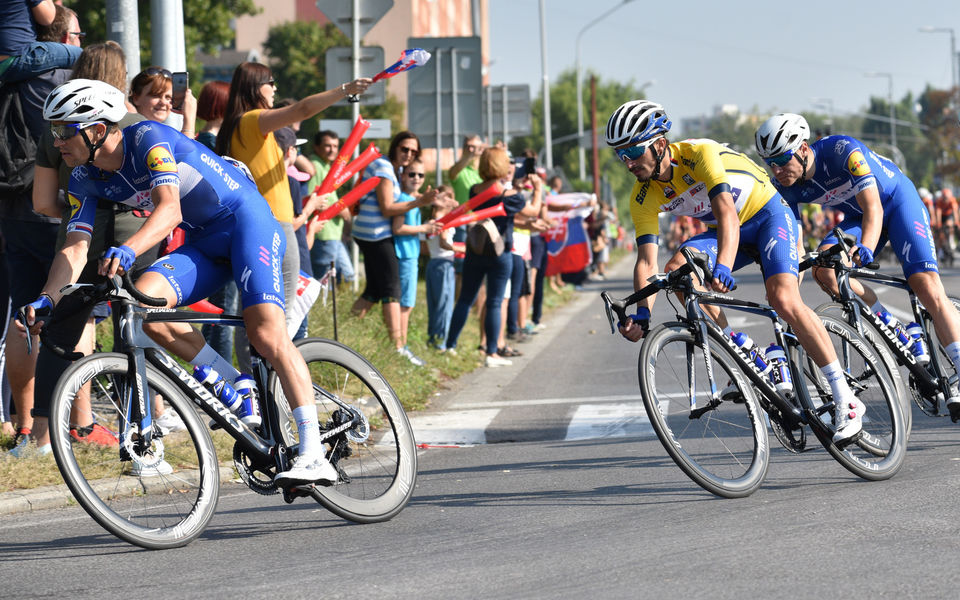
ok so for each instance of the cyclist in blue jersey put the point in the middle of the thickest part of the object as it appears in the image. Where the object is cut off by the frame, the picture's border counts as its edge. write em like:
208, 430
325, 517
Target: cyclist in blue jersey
879, 203
230, 231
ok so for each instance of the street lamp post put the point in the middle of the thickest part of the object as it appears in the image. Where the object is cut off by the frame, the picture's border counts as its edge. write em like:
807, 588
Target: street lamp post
893, 122
580, 152
953, 57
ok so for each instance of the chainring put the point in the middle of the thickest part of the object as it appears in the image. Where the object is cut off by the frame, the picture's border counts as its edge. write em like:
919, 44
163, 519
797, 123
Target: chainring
794, 440
930, 407
258, 480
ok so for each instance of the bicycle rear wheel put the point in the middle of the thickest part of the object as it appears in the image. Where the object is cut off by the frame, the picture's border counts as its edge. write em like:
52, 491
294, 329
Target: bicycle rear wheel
875, 339
377, 456
879, 452
163, 498
725, 450
944, 361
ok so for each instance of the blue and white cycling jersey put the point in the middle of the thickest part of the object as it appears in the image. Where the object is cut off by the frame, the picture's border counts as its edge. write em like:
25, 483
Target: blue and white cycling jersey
230, 228
844, 167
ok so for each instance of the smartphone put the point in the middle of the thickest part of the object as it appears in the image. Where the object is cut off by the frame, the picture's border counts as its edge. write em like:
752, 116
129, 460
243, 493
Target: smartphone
181, 79
529, 165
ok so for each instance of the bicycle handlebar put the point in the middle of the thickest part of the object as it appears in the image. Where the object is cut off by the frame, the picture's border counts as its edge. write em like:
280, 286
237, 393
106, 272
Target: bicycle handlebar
697, 265
140, 296
845, 242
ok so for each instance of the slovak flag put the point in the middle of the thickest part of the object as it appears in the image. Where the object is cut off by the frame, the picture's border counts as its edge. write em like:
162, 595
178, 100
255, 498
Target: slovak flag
410, 58
568, 245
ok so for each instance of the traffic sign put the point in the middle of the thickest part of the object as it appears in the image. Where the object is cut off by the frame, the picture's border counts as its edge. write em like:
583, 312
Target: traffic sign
339, 63
379, 128
340, 13
516, 110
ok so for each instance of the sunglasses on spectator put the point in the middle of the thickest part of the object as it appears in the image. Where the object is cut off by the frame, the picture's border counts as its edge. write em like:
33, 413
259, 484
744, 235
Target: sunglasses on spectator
780, 160
413, 175
408, 150
68, 130
158, 71
269, 82
636, 151
79, 34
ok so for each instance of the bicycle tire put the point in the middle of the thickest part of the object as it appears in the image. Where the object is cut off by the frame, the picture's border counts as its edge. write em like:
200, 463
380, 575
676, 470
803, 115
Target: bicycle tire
726, 451
377, 474
879, 453
944, 359
870, 333
152, 509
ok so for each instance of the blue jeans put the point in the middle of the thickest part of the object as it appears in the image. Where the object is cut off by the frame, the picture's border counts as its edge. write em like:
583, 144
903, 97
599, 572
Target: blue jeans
516, 289
325, 252
497, 270
441, 288
220, 337
40, 57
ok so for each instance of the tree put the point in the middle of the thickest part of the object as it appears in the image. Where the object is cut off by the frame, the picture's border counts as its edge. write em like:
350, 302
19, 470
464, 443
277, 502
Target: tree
206, 26
297, 52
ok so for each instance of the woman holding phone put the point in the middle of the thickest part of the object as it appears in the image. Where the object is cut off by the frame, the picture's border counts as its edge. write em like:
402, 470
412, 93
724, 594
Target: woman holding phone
152, 95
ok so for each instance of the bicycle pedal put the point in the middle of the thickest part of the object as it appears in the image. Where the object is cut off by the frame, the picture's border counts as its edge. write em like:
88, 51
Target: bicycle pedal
851, 440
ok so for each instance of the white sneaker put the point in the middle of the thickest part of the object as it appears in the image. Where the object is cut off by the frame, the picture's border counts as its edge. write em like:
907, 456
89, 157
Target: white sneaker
496, 361
406, 353
138, 469
306, 469
849, 420
169, 421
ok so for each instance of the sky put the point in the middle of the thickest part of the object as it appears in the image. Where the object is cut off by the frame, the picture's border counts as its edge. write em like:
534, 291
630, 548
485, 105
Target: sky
700, 54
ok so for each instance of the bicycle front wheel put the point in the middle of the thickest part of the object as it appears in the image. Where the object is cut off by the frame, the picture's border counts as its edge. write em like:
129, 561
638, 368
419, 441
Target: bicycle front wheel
159, 498
377, 455
725, 448
879, 452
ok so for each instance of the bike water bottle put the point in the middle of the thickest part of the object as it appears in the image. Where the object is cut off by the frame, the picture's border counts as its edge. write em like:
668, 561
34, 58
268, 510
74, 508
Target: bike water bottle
780, 371
249, 411
752, 350
920, 351
219, 386
891, 322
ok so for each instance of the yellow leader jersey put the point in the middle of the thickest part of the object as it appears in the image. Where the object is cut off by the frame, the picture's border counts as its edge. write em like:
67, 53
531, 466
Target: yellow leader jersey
701, 170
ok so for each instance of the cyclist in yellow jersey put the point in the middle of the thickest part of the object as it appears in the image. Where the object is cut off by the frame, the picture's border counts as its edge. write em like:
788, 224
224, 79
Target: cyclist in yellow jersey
748, 221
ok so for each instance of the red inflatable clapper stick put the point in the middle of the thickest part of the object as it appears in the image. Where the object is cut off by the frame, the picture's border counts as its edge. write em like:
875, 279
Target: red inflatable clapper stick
484, 213
349, 199
490, 192
338, 166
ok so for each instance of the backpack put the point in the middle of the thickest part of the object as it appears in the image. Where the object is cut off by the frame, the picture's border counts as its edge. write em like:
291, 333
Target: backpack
484, 239
18, 152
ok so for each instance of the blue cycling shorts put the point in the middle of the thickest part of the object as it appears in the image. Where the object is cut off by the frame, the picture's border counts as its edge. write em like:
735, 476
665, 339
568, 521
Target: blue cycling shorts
906, 225
768, 237
251, 254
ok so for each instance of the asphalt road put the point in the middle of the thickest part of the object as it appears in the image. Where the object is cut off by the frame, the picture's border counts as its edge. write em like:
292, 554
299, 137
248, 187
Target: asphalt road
553, 488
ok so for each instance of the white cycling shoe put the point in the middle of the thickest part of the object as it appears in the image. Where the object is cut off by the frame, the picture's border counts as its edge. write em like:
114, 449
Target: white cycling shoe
849, 420
306, 469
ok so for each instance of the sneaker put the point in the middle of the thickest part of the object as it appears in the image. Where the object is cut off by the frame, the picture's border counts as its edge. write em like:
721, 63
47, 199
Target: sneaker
44, 450
449, 351
849, 420
496, 361
21, 443
169, 421
96, 434
531, 328
306, 469
406, 353
138, 469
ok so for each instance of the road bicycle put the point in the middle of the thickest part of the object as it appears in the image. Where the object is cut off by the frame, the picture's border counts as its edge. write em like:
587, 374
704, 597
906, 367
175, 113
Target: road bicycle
159, 488
929, 383
706, 397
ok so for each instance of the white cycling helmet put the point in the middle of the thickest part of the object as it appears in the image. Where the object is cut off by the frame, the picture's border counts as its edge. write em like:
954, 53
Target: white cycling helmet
781, 133
636, 121
85, 101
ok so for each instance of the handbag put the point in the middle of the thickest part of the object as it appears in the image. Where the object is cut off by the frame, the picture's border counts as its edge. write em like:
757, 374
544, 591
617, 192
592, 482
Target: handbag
484, 239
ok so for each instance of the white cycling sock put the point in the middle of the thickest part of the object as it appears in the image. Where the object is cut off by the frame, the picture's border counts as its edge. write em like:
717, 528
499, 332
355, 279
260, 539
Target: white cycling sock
209, 356
838, 381
953, 351
309, 430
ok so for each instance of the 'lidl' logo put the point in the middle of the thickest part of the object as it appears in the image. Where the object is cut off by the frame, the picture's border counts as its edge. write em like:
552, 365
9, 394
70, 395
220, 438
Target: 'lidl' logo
857, 164
159, 159
74, 205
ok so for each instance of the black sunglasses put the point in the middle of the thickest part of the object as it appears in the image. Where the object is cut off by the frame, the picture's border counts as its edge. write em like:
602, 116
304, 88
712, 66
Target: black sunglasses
79, 34
269, 82
407, 150
412, 175
158, 71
